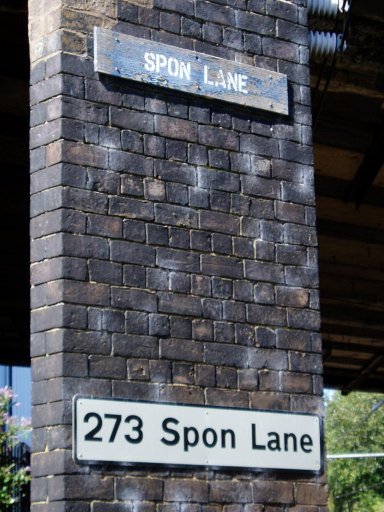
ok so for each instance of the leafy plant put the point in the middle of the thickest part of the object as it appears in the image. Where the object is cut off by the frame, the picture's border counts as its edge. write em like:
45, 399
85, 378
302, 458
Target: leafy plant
354, 425
13, 479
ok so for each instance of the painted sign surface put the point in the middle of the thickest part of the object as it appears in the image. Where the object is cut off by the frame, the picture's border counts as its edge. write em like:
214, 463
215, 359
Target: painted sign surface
128, 432
185, 70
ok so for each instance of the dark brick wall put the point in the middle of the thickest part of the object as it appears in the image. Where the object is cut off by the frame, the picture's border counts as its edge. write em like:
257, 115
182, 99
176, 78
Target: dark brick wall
173, 248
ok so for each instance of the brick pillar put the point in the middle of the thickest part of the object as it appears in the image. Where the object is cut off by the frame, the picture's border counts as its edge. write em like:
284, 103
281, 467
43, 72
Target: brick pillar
173, 248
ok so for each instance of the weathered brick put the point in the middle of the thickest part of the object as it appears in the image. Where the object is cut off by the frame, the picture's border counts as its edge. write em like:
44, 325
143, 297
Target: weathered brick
179, 237
307, 403
134, 275
131, 208
132, 185
281, 49
244, 334
132, 120
130, 252
176, 128
299, 276
179, 282
264, 293
304, 319
57, 268
104, 226
59, 128
235, 312
225, 397
180, 349
292, 32
134, 299
175, 215
221, 266
226, 377
220, 180
311, 494
139, 489
85, 293
181, 394
156, 235
186, 490
250, 228
230, 491
266, 315
72, 340
225, 354
248, 379
273, 492
258, 186
177, 303
135, 346
221, 222
59, 315
136, 322
133, 141
158, 325
177, 172
301, 235
222, 243
303, 362
260, 271
219, 158
267, 400
291, 339
220, 200
122, 161
243, 247
157, 279
154, 190
268, 380
177, 260
205, 375
218, 137
77, 153
183, 373
134, 230
296, 382
107, 367
295, 297
291, 255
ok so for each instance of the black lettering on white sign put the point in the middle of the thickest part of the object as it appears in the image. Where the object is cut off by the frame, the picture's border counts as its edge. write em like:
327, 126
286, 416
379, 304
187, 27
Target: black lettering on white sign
128, 432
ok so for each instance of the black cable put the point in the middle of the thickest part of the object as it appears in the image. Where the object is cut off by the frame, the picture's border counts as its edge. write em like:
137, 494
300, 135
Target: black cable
360, 491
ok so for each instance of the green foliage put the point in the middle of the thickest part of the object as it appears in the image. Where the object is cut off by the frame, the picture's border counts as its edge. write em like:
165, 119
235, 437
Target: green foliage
12, 479
355, 484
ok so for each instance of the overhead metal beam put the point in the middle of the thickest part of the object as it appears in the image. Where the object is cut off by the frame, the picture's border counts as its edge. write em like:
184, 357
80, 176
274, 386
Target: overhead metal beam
369, 168
365, 373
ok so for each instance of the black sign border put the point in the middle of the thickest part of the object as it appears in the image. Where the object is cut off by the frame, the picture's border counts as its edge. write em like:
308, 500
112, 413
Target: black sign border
252, 469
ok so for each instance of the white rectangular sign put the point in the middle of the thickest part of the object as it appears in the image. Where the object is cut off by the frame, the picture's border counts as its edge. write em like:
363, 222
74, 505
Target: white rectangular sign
128, 432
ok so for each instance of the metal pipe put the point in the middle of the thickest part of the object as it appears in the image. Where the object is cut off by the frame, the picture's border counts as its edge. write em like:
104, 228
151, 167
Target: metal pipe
354, 456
